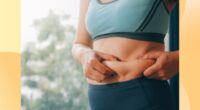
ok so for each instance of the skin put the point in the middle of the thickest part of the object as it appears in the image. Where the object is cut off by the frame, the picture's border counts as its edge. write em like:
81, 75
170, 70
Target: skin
170, 4
126, 59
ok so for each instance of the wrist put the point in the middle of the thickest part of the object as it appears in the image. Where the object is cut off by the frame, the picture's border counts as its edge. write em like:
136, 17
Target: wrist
84, 54
175, 55
174, 59
79, 51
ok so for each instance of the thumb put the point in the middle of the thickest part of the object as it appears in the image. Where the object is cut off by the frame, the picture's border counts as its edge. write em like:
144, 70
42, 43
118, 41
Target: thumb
152, 55
104, 56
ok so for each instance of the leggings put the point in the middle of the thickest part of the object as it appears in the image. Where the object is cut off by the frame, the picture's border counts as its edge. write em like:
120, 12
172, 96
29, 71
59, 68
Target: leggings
137, 94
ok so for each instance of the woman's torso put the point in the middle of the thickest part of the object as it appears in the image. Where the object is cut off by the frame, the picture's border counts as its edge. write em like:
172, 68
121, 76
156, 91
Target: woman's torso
131, 44
130, 52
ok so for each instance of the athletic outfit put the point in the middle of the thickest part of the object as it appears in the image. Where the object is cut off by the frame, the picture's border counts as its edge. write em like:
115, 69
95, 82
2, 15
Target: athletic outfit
137, 94
145, 20
135, 19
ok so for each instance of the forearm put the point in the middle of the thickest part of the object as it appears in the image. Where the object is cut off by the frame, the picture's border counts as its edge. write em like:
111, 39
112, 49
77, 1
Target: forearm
176, 54
78, 51
174, 59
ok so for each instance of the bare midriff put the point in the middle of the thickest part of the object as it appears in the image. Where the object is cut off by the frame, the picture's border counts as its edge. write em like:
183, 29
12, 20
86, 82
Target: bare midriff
130, 53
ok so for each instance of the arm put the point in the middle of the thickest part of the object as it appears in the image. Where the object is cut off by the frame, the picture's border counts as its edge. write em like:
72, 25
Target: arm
82, 42
83, 53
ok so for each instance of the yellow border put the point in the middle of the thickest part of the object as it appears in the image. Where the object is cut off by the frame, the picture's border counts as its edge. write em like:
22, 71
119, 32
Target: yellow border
9, 26
190, 54
10, 54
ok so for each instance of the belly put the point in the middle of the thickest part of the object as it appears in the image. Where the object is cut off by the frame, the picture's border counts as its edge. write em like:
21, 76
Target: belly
130, 52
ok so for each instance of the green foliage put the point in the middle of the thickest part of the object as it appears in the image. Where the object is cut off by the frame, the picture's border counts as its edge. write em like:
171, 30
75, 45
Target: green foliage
54, 80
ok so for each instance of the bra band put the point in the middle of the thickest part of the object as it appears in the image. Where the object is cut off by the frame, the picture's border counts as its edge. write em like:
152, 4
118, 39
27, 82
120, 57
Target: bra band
153, 37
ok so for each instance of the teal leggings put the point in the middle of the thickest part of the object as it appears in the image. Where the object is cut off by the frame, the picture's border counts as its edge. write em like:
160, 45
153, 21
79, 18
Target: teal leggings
137, 94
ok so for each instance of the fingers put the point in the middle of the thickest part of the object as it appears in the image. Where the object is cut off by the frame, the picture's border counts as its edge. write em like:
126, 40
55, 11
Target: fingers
153, 76
103, 56
95, 75
152, 69
159, 75
156, 70
103, 69
96, 70
152, 55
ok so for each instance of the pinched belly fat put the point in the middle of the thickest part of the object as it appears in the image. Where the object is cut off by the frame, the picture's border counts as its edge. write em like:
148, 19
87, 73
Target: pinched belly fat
125, 70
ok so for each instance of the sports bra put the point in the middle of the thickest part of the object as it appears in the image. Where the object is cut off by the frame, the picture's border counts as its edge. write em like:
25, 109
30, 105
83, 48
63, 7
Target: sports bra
145, 20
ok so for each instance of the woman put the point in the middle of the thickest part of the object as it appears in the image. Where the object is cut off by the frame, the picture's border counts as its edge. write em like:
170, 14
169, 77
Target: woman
120, 46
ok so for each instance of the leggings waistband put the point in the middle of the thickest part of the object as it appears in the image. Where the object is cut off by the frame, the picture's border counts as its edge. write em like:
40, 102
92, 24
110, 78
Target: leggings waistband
138, 94
124, 84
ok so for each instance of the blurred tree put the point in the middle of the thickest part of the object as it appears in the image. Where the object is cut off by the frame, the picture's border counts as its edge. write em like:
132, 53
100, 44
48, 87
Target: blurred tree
49, 73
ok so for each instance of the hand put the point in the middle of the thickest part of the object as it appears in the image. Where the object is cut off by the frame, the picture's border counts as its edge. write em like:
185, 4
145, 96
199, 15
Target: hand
93, 66
165, 67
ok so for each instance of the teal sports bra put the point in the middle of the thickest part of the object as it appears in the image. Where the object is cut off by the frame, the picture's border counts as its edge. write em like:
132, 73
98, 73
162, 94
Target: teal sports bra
145, 20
